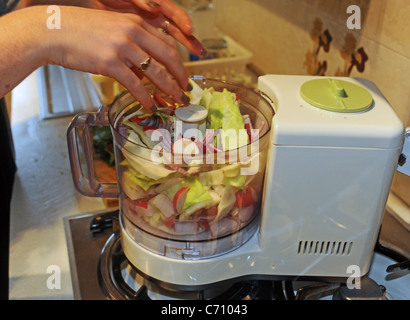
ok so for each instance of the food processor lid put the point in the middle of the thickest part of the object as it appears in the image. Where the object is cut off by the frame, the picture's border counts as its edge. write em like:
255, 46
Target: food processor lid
331, 112
336, 95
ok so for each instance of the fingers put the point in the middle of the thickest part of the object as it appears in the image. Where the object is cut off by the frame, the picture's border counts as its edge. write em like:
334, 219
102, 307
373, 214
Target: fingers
153, 7
162, 35
163, 65
124, 56
135, 86
174, 20
157, 74
189, 41
136, 40
130, 75
170, 28
147, 5
162, 14
120, 44
177, 15
164, 52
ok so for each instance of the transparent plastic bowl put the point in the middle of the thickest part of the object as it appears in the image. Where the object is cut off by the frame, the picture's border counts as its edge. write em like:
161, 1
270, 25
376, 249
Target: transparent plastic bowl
181, 203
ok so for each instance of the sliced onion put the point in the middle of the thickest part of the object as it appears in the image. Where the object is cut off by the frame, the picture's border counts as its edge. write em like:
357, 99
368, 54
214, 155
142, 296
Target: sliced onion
209, 136
122, 129
212, 149
246, 213
166, 142
222, 227
186, 227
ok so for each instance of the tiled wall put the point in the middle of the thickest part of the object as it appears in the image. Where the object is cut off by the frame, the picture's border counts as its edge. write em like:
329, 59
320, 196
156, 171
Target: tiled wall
312, 37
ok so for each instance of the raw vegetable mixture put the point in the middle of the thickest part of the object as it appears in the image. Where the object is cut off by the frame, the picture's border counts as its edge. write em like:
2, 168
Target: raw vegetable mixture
187, 199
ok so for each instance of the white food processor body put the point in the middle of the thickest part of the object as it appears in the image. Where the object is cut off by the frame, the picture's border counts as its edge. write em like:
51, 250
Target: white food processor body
329, 171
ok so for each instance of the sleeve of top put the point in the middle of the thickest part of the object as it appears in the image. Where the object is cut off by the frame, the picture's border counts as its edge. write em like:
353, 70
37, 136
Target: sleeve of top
7, 6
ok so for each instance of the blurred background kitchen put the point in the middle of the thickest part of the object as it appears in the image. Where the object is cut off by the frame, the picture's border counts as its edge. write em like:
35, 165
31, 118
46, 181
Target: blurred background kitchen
245, 38
311, 37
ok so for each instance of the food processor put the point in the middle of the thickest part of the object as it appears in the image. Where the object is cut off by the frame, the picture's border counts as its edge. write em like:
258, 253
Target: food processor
303, 197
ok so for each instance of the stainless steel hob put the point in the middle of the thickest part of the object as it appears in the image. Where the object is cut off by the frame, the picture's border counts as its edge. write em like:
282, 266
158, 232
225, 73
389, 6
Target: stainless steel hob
101, 271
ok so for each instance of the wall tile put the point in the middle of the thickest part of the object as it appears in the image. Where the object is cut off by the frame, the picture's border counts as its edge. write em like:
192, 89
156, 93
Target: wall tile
284, 36
311, 37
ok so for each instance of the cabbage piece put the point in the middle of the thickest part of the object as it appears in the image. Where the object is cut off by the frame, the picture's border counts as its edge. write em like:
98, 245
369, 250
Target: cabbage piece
210, 178
207, 97
215, 199
142, 181
227, 203
238, 181
148, 168
224, 114
172, 190
198, 197
196, 93
140, 131
133, 190
197, 193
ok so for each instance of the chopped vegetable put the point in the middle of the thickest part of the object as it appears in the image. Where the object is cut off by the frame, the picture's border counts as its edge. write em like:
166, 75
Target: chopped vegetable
227, 202
188, 198
244, 198
103, 144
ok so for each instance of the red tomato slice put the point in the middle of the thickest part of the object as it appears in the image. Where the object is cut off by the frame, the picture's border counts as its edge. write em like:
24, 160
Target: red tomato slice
204, 225
143, 204
169, 222
212, 211
244, 198
146, 128
136, 120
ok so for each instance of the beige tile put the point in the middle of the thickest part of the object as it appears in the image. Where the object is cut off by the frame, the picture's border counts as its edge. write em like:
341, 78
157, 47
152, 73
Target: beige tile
283, 37
275, 41
389, 70
388, 23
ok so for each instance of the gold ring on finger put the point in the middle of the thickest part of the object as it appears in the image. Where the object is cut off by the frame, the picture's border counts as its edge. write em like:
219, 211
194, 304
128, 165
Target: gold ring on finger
165, 29
145, 64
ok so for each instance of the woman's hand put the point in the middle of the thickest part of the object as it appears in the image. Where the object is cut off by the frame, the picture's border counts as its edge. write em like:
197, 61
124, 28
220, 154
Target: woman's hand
162, 14
116, 45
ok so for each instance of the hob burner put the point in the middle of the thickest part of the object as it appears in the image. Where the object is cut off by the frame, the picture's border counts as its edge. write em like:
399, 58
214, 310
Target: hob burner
120, 280
100, 270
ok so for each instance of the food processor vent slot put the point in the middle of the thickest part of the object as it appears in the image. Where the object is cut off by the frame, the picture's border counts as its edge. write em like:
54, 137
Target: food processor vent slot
325, 248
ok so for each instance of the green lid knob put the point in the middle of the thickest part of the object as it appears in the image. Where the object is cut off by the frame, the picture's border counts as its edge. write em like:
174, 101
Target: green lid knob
336, 95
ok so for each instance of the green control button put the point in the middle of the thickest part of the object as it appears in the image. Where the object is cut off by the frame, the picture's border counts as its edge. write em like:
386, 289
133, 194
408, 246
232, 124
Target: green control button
336, 95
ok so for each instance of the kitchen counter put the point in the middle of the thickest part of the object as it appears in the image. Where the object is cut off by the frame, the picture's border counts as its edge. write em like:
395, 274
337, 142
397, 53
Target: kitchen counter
43, 194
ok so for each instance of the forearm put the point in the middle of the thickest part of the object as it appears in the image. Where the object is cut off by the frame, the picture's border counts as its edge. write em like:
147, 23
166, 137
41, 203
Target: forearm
23, 41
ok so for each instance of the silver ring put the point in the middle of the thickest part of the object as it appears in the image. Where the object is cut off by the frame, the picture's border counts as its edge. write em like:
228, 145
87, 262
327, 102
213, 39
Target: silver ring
165, 29
145, 64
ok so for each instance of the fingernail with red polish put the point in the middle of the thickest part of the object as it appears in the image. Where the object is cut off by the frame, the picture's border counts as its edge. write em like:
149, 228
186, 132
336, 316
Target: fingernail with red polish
190, 29
202, 51
189, 87
185, 99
